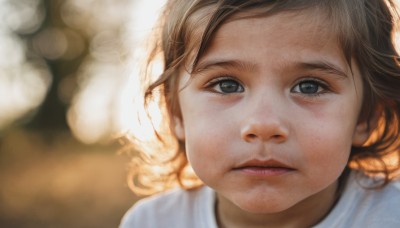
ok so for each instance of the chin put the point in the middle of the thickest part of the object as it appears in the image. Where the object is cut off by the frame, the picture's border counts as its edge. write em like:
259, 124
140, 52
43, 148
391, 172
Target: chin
263, 207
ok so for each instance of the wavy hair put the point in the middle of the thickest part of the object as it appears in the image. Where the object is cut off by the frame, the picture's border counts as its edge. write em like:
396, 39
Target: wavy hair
365, 32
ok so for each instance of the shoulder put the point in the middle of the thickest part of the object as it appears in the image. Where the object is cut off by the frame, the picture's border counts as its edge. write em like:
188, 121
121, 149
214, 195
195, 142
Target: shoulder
175, 208
360, 206
381, 205
387, 201
388, 197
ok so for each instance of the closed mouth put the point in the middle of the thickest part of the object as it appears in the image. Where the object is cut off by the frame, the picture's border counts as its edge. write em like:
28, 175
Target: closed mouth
264, 167
264, 164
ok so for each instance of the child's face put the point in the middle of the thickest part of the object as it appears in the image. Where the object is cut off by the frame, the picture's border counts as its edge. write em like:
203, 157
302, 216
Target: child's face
271, 114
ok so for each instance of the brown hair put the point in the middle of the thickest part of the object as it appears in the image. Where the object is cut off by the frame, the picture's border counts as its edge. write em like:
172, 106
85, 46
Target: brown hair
365, 31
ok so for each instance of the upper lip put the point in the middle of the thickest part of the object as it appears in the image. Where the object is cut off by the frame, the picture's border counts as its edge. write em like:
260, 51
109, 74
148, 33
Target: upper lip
270, 163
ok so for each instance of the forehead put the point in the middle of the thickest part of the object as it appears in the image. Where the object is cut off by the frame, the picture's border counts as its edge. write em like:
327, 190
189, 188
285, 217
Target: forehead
314, 19
302, 26
307, 31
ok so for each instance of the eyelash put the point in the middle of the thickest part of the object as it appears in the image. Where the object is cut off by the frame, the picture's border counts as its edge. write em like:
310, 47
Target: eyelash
323, 86
218, 80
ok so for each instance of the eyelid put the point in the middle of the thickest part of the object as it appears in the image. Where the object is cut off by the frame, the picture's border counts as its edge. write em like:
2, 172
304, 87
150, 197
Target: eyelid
322, 83
216, 80
220, 78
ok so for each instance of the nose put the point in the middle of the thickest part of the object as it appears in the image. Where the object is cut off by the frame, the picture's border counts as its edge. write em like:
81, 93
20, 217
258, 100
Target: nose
264, 121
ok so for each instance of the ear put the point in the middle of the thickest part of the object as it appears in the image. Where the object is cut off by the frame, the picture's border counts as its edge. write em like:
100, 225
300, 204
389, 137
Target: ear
361, 134
178, 128
364, 129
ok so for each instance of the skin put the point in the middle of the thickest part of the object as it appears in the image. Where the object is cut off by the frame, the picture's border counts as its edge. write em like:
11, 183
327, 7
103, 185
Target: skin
268, 118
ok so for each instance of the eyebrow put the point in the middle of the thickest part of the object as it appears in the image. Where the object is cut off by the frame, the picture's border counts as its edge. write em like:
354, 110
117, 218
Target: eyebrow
237, 64
323, 66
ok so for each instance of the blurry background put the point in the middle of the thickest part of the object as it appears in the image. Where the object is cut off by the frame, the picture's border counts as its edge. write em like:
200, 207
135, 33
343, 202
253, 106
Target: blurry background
67, 86
66, 92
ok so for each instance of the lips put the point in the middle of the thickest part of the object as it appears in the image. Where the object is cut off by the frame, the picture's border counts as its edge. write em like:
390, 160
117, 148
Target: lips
264, 168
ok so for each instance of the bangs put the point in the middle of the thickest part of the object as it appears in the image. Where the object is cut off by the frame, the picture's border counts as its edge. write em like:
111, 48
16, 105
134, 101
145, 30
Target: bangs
341, 16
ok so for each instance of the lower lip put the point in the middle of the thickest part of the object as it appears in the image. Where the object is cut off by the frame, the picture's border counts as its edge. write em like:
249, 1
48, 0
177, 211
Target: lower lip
265, 171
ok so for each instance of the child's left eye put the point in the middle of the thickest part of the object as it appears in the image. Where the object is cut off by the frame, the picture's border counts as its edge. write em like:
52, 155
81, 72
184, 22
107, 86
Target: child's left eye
309, 87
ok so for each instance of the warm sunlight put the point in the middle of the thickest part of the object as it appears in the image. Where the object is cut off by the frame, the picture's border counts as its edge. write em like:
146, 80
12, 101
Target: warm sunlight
109, 102
131, 116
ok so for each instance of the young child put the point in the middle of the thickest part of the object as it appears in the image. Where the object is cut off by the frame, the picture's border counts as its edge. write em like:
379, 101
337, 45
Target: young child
287, 111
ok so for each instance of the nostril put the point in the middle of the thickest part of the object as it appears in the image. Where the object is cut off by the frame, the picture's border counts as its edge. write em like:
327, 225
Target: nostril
254, 131
254, 137
251, 137
278, 138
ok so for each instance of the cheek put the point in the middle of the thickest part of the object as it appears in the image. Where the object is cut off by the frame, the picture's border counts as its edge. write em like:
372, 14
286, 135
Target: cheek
205, 158
326, 146
206, 144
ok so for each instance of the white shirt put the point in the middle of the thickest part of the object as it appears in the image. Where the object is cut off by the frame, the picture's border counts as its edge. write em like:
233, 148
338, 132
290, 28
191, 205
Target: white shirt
357, 207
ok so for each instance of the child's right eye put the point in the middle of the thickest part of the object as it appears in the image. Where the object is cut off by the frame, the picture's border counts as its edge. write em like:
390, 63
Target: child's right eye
224, 86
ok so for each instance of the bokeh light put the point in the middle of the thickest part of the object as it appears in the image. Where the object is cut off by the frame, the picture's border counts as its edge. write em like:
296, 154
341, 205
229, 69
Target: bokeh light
78, 62
23, 82
23, 16
109, 101
102, 94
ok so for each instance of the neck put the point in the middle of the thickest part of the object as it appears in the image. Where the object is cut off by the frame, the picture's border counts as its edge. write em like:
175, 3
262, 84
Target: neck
306, 213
